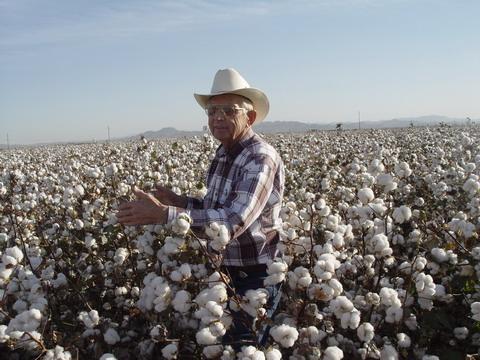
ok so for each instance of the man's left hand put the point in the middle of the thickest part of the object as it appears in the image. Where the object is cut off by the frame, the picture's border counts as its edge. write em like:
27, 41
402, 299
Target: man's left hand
145, 210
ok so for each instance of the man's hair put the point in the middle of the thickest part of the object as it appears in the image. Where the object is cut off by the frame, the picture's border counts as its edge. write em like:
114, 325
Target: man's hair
247, 104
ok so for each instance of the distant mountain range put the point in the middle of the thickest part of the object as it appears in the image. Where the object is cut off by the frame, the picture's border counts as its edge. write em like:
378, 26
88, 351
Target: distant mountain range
273, 127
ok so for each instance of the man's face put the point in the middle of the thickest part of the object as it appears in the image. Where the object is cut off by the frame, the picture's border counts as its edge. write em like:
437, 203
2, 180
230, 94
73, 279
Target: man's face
229, 129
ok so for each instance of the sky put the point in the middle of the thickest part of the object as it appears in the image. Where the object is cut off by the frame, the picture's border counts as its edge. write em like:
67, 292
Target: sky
71, 70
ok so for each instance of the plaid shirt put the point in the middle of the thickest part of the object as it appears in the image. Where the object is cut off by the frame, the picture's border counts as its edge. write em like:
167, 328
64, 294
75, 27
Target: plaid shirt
245, 188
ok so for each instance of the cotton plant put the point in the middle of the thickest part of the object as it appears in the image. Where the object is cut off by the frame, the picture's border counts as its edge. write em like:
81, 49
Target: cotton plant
62, 221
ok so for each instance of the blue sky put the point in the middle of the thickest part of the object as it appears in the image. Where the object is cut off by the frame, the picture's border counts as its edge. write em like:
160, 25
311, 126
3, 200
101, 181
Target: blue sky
69, 69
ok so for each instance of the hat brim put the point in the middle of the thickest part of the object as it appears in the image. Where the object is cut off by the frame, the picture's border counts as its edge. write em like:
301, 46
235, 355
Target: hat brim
256, 96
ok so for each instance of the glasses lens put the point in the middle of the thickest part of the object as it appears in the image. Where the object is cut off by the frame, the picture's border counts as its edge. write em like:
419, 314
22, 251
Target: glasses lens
228, 111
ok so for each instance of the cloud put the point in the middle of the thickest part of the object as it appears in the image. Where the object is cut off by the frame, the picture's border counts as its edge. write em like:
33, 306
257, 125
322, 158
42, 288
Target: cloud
24, 22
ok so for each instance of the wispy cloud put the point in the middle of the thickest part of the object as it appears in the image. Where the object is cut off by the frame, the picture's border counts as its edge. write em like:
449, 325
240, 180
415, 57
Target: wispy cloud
24, 23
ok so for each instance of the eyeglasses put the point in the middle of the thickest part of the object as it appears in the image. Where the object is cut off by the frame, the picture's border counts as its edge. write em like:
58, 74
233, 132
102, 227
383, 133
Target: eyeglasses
226, 110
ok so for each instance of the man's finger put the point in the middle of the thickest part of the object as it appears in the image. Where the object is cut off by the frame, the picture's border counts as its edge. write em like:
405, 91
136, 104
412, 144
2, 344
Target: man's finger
125, 206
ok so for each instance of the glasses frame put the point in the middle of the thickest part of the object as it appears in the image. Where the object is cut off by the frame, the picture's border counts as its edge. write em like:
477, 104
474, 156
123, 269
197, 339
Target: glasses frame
225, 110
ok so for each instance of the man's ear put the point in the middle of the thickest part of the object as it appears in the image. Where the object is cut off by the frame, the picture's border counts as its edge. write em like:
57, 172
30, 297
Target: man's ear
252, 115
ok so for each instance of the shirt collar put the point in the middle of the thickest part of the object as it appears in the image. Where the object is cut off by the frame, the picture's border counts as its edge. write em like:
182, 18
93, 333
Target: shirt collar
237, 148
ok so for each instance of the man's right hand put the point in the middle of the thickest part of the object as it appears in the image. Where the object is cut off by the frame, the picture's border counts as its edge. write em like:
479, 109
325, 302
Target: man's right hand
168, 197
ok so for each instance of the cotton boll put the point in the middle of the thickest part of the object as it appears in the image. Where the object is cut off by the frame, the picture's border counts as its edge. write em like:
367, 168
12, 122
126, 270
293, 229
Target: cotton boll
12, 256
272, 354
90, 319
111, 336
28, 320
366, 332
251, 353
108, 356
388, 352
4, 337
213, 351
403, 340
182, 301
120, 256
58, 353
170, 351
365, 195
402, 214
394, 314
285, 335
205, 337
181, 225
332, 353
461, 333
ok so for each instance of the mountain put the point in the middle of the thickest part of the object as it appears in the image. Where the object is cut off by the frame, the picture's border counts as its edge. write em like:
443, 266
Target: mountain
273, 127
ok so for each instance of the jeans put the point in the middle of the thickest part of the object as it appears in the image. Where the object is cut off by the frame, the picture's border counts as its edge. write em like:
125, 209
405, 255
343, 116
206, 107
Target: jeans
241, 333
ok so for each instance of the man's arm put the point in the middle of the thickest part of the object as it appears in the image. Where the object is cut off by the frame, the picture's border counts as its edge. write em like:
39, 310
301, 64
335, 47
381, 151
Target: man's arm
168, 197
248, 197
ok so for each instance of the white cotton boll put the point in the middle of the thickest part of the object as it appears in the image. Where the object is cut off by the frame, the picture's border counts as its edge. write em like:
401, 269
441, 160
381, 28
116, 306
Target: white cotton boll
111, 169
182, 301
12, 256
471, 186
403, 340
411, 322
108, 356
120, 256
350, 319
219, 235
276, 271
205, 337
272, 354
90, 319
388, 352
299, 278
461, 333
58, 353
284, 335
365, 195
26, 321
394, 314
402, 170
170, 351
213, 351
402, 214
389, 297
181, 224
250, 353
380, 245
440, 255
217, 328
475, 308
366, 332
4, 337
217, 293
111, 336
79, 224
333, 353
60, 281
90, 242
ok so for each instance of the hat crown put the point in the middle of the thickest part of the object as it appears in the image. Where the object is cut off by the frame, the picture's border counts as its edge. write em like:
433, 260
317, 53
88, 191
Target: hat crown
228, 80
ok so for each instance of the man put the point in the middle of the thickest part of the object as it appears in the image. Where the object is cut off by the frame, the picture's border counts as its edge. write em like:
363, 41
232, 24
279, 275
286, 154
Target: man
245, 185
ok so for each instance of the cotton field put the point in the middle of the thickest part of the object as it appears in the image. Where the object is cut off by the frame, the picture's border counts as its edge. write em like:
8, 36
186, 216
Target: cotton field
381, 258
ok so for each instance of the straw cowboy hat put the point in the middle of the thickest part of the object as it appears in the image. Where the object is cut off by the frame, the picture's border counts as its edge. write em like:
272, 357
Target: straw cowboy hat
229, 81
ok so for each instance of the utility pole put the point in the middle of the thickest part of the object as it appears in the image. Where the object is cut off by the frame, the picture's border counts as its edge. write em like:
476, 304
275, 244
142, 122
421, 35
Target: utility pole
8, 142
359, 120
108, 129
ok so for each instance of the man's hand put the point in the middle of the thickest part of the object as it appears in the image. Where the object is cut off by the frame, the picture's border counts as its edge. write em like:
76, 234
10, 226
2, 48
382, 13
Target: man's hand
145, 210
168, 197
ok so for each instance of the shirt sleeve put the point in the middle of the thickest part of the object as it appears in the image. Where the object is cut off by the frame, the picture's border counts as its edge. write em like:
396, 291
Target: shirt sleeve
249, 194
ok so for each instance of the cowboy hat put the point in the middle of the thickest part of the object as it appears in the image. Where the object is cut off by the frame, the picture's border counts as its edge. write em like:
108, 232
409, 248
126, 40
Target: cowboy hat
229, 81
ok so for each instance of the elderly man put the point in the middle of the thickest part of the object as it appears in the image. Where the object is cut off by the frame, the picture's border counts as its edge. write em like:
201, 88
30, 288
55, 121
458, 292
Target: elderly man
245, 185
